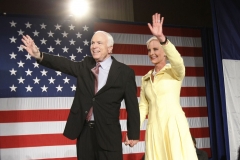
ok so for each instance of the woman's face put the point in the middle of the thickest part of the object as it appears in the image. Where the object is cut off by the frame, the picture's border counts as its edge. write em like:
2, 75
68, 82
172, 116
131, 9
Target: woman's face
156, 53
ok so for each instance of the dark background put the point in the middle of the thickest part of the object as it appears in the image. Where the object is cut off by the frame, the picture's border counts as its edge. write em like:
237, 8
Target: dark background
176, 12
191, 13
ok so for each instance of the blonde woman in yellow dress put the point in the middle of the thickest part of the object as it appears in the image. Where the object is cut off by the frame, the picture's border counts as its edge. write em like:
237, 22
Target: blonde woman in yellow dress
167, 133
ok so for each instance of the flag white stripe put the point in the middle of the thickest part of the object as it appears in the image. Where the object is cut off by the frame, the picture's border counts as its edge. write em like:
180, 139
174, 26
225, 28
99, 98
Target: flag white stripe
31, 128
203, 142
193, 102
58, 103
143, 60
55, 127
46, 152
141, 39
193, 82
35, 103
138, 148
198, 122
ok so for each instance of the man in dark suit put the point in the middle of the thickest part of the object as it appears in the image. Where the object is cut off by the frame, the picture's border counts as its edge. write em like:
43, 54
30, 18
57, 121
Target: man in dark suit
94, 115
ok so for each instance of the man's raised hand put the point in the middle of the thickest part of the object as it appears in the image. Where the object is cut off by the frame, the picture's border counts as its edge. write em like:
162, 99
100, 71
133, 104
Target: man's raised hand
30, 47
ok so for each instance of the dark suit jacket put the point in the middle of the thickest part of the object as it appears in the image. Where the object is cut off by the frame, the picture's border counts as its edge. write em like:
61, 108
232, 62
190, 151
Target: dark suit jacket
106, 102
201, 154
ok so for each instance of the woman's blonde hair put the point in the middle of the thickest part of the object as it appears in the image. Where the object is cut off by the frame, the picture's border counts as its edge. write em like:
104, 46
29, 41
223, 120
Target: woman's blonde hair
151, 39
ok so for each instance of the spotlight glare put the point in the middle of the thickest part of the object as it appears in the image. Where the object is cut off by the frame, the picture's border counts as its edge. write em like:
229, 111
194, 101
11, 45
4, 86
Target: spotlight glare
79, 7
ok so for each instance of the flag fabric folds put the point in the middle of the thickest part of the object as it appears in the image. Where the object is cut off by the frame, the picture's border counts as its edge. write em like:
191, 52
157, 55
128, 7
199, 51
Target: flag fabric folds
35, 101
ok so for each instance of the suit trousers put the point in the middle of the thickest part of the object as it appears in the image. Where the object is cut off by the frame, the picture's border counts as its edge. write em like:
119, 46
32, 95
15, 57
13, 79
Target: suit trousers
88, 148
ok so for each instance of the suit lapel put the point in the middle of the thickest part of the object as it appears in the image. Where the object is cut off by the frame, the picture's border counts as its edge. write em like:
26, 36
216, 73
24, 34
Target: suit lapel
90, 79
112, 75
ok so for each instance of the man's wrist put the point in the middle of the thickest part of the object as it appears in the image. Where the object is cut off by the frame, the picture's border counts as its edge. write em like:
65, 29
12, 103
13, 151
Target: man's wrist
40, 56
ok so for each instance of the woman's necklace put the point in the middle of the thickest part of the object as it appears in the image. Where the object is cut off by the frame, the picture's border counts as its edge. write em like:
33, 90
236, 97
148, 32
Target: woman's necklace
154, 72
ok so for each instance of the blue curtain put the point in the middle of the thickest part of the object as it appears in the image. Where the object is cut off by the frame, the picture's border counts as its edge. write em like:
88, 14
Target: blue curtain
225, 15
215, 95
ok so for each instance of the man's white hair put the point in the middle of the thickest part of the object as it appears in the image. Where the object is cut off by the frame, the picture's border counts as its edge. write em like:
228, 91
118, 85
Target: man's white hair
109, 38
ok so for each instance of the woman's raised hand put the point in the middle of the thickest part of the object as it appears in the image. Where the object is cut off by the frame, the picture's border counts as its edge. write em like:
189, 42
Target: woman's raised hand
157, 26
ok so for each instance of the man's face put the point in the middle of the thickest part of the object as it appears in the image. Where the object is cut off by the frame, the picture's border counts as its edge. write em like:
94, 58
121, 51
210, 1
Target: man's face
99, 49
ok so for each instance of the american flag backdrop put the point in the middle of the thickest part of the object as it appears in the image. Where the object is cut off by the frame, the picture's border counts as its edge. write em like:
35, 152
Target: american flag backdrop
35, 101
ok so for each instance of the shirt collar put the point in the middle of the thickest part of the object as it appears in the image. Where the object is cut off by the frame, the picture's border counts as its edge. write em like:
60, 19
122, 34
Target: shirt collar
106, 63
148, 75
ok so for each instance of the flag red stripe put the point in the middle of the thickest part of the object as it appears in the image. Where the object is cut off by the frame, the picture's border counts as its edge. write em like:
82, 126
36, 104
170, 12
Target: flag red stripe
142, 50
129, 49
33, 115
34, 140
143, 29
190, 71
193, 92
194, 72
195, 111
61, 115
41, 115
135, 156
190, 51
44, 140
200, 132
